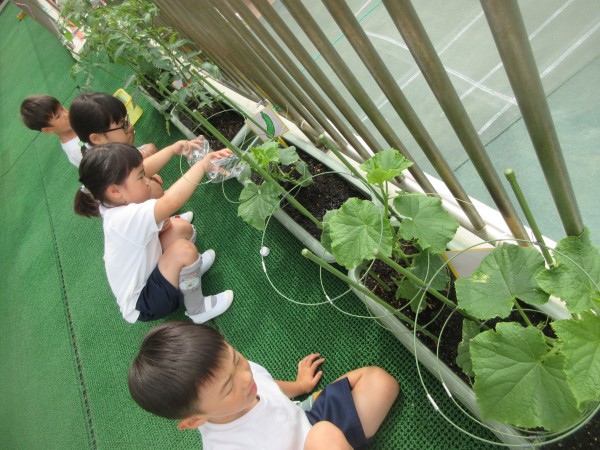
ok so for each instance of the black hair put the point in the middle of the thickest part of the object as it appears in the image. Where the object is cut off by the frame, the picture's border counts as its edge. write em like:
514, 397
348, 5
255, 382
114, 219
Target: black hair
105, 165
93, 113
175, 360
38, 110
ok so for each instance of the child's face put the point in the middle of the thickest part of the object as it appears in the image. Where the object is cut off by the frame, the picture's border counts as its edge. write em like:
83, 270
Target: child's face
232, 393
60, 121
122, 133
136, 188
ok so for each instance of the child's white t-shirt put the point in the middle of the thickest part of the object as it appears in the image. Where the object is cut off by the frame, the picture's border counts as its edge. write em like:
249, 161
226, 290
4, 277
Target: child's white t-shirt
131, 251
274, 423
73, 150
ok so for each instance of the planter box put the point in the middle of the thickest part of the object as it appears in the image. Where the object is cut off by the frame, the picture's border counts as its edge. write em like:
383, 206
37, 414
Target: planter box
313, 244
459, 389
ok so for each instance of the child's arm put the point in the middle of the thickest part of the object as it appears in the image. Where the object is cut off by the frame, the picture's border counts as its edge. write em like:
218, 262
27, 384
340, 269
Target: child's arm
307, 377
182, 189
153, 163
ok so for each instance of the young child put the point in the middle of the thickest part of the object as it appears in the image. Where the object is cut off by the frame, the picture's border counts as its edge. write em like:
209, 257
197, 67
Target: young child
151, 272
46, 114
100, 118
190, 373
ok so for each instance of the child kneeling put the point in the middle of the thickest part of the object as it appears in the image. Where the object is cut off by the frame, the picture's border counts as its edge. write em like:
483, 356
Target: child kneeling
152, 270
190, 373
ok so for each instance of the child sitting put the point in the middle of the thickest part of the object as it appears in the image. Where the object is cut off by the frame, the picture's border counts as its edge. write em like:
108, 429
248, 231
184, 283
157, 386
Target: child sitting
190, 373
46, 114
150, 272
100, 118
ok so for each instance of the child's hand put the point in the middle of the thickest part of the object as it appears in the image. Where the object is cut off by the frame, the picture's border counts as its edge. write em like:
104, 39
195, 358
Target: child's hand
308, 376
219, 154
184, 147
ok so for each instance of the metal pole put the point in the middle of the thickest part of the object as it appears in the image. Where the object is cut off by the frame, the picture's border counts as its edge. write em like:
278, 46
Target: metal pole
508, 29
318, 76
410, 27
367, 52
248, 59
279, 77
318, 107
319, 39
188, 28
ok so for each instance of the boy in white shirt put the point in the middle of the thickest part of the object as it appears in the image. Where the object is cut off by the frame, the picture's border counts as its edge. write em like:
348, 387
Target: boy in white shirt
189, 372
46, 114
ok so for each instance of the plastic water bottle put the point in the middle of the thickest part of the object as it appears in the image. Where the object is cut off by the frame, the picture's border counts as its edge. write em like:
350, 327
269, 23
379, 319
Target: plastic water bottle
220, 169
196, 154
224, 169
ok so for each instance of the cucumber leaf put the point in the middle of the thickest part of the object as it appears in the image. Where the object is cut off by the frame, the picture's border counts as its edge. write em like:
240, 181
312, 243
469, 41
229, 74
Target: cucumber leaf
469, 330
581, 347
257, 203
518, 381
385, 166
426, 221
575, 278
288, 155
326, 232
504, 275
356, 229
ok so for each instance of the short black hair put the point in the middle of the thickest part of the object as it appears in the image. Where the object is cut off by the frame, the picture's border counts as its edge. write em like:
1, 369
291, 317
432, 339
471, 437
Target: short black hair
175, 360
93, 113
38, 110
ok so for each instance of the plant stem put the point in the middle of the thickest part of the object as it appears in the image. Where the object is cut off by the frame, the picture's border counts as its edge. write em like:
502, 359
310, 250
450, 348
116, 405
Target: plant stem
375, 277
512, 179
522, 313
363, 290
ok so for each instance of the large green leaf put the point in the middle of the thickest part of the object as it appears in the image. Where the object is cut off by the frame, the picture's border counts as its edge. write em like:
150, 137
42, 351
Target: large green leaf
326, 232
469, 330
385, 166
257, 203
356, 229
425, 221
504, 275
576, 275
581, 347
431, 269
519, 381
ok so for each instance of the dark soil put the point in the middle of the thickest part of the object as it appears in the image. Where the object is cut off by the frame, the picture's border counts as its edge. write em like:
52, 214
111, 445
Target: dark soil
326, 193
329, 192
228, 121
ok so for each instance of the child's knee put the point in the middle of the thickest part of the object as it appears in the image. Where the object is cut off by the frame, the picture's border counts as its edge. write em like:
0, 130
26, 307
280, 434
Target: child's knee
325, 435
184, 250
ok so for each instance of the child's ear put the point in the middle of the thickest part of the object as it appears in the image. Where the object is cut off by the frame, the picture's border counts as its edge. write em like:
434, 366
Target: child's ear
47, 130
113, 192
192, 422
97, 138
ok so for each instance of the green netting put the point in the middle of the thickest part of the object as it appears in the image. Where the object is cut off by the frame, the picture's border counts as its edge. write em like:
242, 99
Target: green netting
65, 349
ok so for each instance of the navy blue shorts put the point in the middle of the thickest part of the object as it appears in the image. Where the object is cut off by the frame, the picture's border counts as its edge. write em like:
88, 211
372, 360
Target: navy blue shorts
158, 299
336, 405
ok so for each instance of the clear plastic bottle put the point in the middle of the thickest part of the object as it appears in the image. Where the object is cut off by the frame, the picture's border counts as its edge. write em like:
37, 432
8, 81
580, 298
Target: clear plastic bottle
224, 169
196, 154
220, 169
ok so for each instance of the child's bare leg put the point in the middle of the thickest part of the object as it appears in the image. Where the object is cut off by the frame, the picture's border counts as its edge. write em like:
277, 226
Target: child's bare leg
374, 392
326, 436
179, 229
178, 255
